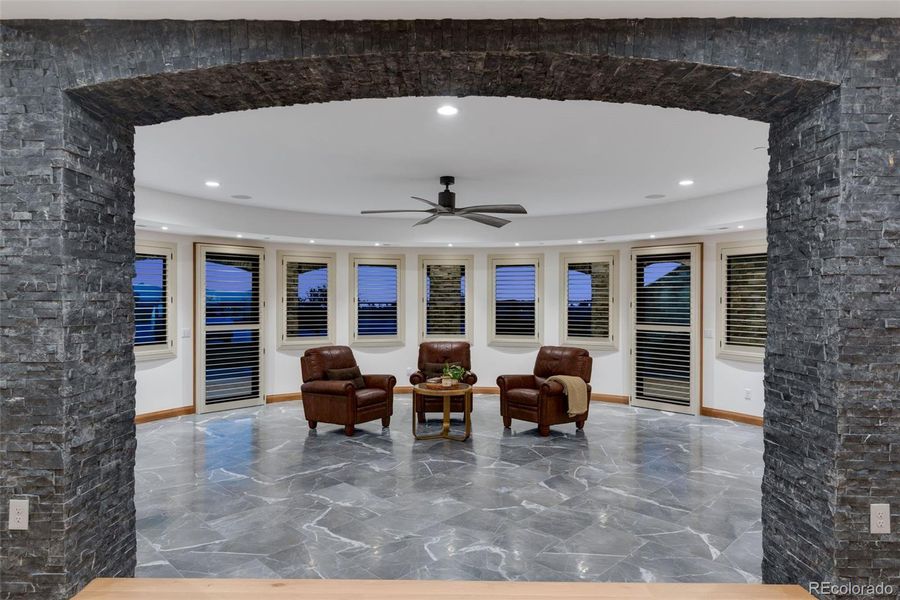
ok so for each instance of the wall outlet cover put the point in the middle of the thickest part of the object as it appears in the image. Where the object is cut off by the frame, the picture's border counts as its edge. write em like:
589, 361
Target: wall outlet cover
880, 518
18, 514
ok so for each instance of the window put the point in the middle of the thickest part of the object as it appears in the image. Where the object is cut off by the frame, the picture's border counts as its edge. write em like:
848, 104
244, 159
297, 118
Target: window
515, 300
445, 289
742, 301
588, 297
306, 310
153, 287
377, 308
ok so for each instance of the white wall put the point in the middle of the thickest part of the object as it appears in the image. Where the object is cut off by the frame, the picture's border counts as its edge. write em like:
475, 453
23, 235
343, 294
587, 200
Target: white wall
168, 383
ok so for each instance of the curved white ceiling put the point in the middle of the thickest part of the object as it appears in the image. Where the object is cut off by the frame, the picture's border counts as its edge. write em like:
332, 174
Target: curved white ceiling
555, 158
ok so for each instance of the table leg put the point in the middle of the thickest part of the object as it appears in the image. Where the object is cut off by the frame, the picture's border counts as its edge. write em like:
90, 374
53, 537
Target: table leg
468, 415
445, 427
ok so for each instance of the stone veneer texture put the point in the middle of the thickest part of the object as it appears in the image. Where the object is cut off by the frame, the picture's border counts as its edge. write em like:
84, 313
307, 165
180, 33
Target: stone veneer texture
73, 90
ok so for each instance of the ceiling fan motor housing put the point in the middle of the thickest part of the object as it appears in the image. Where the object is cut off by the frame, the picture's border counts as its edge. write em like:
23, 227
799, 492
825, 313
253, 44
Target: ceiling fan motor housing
447, 199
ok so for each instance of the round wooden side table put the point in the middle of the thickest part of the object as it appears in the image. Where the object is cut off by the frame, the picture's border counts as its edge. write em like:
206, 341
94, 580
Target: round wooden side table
461, 389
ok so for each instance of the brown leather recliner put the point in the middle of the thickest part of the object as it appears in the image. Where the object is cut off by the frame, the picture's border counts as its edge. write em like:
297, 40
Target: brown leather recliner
342, 402
532, 398
439, 353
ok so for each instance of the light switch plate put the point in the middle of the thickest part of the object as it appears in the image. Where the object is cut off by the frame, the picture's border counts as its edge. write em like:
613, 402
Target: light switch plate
186, 333
880, 518
18, 514
709, 334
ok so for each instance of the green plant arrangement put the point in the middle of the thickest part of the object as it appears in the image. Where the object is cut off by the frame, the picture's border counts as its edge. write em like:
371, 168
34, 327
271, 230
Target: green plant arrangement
455, 372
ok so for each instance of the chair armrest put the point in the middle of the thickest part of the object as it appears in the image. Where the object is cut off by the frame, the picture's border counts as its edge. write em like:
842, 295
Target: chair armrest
511, 382
327, 387
552, 387
417, 378
385, 382
470, 378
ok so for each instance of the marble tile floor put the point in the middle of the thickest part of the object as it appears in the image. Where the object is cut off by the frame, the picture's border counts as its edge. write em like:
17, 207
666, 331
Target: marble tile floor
639, 495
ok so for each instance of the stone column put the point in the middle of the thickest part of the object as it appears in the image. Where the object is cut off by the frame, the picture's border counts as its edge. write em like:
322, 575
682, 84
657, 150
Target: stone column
833, 354
67, 422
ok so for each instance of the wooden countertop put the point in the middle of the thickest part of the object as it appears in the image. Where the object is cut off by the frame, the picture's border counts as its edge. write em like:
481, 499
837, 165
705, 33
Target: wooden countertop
347, 589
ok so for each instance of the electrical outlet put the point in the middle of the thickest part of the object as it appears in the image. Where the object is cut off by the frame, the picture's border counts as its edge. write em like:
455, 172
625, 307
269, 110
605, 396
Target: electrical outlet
880, 518
747, 394
409, 371
186, 333
18, 514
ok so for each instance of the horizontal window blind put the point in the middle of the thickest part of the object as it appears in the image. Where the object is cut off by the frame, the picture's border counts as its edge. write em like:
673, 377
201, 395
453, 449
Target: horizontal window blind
151, 299
663, 290
232, 288
515, 300
232, 365
663, 366
376, 302
588, 300
306, 300
745, 300
445, 299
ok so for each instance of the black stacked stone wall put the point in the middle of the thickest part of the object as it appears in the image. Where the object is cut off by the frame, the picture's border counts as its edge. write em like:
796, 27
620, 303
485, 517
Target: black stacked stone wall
72, 91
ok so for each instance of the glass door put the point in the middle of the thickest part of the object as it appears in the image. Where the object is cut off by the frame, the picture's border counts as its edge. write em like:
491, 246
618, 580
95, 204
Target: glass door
665, 340
229, 341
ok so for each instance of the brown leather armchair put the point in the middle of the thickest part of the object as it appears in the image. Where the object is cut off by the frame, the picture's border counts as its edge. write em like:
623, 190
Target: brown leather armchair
439, 353
342, 402
532, 398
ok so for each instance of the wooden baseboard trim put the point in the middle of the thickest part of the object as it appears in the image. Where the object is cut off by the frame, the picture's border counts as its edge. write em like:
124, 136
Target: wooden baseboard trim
612, 398
289, 397
163, 414
486, 390
731, 416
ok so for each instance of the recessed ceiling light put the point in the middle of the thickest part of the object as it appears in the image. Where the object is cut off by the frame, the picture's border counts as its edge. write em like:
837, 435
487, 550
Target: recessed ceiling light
740, 226
517, 243
580, 241
211, 183
652, 236
447, 110
164, 228
654, 196
377, 243
240, 235
449, 245
686, 182
242, 197
312, 241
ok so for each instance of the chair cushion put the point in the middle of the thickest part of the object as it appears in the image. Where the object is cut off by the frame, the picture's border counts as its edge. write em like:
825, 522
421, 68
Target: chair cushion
351, 374
370, 396
523, 396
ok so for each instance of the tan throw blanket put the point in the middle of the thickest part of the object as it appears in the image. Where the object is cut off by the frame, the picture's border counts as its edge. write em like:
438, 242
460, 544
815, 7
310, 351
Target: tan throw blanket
575, 390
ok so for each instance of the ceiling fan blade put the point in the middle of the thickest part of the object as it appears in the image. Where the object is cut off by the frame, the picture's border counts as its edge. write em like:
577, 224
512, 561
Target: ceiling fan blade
484, 219
374, 212
510, 209
424, 200
426, 220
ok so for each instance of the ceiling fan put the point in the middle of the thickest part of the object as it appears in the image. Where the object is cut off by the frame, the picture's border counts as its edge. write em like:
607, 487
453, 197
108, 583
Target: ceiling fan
446, 207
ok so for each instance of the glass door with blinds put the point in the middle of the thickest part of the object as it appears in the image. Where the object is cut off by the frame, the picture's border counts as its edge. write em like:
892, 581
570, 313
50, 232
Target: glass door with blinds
229, 340
665, 346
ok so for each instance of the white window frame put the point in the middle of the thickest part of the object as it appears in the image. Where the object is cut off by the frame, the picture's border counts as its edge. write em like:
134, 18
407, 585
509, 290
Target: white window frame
466, 261
167, 349
397, 260
723, 349
497, 260
611, 257
329, 259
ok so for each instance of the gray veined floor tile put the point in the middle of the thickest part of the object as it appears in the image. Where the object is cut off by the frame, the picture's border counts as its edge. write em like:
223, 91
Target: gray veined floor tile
639, 495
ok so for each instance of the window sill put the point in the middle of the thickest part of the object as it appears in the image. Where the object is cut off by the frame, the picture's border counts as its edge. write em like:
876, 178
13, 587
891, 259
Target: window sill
141, 355
587, 344
305, 344
751, 356
376, 342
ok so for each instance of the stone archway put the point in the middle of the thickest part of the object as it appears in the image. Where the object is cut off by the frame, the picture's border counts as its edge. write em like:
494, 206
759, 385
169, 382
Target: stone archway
73, 92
